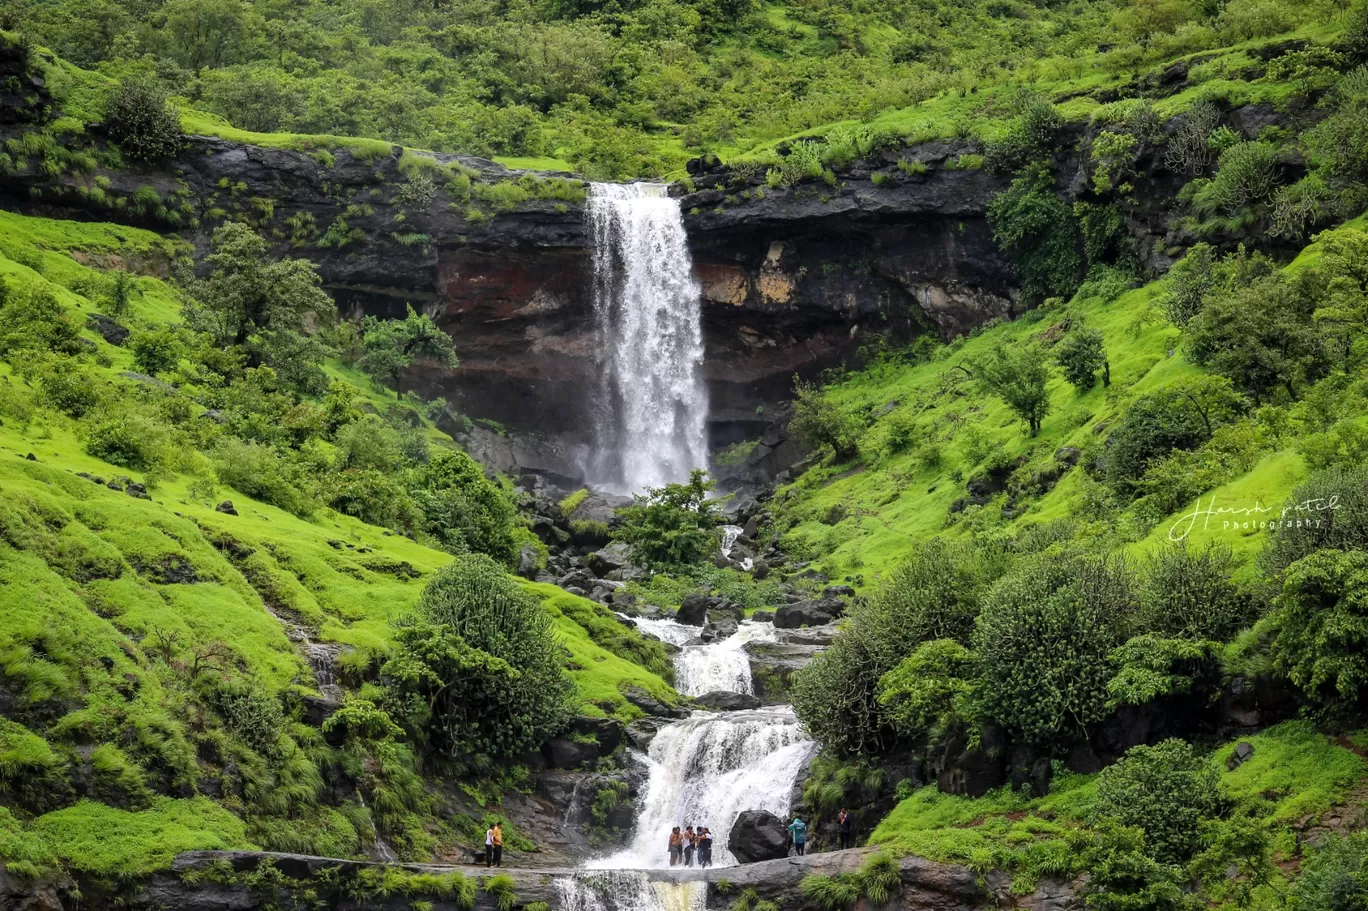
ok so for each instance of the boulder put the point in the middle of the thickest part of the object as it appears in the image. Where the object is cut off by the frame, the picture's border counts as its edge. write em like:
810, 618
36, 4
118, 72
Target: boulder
609, 559
727, 701
108, 328
722, 622
693, 611
758, 835
527, 562
565, 753
650, 704
1243, 751
763, 616
227, 508
606, 731
838, 591
808, 613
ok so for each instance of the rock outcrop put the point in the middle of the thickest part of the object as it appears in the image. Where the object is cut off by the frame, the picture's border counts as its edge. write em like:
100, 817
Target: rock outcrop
758, 835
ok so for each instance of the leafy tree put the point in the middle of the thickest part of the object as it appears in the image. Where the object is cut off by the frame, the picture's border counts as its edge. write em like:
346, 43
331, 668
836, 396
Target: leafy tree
248, 293
390, 346
1261, 336
1180, 416
1166, 791
1122, 876
1080, 355
1321, 619
32, 319
368, 443
1335, 875
1043, 639
1188, 283
1017, 374
144, 124
206, 33
1039, 234
674, 525
1189, 593
1338, 283
478, 670
819, 421
835, 698
932, 594
463, 510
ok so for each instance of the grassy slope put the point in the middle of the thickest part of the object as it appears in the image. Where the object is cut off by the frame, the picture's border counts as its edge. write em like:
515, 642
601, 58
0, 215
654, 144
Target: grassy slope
900, 500
1294, 777
79, 570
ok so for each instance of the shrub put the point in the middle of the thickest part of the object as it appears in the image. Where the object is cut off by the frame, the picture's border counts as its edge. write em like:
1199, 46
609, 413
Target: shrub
1180, 416
1335, 876
1080, 355
919, 695
1166, 791
259, 471
125, 439
1037, 231
819, 421
1246, 176
1321, 619
1188, 149
1043, 640
141, 120
478, 670
32, 319
463, 510
674, 525
156, 351
1029, 138
834, 697
1189, 593
373, 496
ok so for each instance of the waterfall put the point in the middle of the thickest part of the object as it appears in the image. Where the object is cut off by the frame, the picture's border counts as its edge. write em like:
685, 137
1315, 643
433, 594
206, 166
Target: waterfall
721, 665
708, 768
623, 890
651, 423
729, 535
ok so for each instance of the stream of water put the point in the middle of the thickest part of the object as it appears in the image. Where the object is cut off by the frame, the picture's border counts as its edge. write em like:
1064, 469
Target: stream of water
652, 408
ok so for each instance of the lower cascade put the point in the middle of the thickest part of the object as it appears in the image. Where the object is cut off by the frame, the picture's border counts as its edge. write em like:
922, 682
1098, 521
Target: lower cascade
702, 771
651, 426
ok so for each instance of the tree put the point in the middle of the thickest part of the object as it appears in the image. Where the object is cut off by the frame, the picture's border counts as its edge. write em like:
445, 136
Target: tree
390, 346
1180, 416
1188, 283
478, 671
1261, 336
463, 510
1080, 355
1321, 618
674, 525
1043, 641
141, 120
206, 33
922, 695
156, 351
1166, 791
1327, 511
819, 421
266, 306
1017, 374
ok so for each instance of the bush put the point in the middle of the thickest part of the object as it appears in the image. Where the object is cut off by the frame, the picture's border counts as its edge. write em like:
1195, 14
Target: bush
260, 472
375, 497
1321, 619
920, 694
819, 421
141, 120
463, 510
1181, 416
1043, 641
1188, 283
32, 319
478, 672
1029, 138
1308, 522
674, 525
1166, 791
1188, 593
129, 440
156, 351
1039, 234
1335, 875
835, 698
1080, 355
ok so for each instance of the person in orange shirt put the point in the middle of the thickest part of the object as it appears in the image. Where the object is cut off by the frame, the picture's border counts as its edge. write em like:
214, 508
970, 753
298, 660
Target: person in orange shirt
496, 846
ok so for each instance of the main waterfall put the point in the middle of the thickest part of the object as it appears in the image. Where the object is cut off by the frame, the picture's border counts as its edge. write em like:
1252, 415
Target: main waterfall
652, 407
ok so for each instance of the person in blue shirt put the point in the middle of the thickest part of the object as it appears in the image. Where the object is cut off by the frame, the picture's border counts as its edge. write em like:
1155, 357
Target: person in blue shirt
798, 829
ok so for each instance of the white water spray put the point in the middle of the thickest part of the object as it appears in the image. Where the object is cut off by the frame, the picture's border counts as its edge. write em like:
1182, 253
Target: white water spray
705, 770
653, 405
626, 890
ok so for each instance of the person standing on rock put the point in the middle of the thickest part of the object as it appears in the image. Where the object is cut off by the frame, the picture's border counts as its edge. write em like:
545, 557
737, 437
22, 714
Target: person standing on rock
798, 830
704, 848
676, 845
689, 839
843, 827
489, 846
496, 834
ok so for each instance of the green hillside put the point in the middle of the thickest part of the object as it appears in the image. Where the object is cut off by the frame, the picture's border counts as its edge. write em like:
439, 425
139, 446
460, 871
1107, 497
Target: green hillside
150, 645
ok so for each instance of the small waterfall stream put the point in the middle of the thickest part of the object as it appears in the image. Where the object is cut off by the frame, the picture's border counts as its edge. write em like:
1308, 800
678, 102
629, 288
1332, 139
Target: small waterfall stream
651, 426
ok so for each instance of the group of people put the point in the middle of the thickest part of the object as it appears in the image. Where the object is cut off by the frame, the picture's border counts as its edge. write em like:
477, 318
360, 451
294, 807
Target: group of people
798, 832
494, 845
684, 845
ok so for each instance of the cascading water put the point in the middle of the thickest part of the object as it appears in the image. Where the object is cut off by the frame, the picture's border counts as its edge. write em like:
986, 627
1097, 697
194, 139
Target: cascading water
708, 768
653, 405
